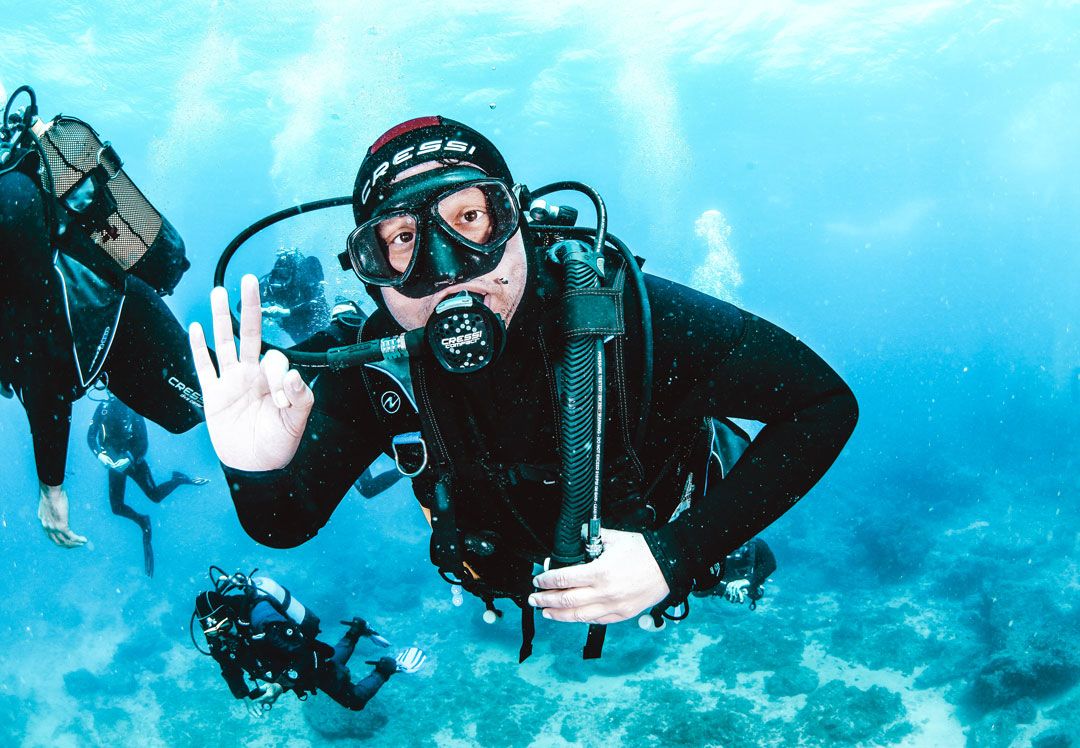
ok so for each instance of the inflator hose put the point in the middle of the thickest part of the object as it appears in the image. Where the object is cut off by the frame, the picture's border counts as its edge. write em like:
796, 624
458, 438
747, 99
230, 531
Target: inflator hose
581, 407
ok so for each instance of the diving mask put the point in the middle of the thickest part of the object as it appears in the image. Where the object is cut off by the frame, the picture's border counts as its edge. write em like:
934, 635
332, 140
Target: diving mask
433, 230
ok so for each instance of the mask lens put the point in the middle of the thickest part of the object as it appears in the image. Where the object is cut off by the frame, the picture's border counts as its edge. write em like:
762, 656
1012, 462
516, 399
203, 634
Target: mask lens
383, 249
481, 215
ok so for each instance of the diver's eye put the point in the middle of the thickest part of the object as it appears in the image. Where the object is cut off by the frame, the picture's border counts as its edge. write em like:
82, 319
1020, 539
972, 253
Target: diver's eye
400, 239
473, 215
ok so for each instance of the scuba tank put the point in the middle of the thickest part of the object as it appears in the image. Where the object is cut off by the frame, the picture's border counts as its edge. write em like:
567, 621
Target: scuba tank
278, 596
86, 177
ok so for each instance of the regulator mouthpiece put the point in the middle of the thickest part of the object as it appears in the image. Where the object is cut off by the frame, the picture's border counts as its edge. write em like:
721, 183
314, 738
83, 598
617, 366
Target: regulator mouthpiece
464, 335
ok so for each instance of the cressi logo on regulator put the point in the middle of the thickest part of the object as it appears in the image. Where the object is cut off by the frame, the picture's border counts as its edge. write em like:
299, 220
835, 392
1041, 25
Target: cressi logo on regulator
464, 335
459, 341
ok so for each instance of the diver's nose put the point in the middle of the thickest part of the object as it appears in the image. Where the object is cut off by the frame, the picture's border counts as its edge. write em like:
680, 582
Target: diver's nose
444, 263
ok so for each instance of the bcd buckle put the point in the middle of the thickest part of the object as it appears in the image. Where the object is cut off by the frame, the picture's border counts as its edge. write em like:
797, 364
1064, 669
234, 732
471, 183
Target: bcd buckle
411, 441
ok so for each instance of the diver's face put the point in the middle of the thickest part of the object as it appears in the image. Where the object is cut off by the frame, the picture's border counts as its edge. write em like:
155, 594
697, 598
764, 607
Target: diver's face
221, 628
501, 289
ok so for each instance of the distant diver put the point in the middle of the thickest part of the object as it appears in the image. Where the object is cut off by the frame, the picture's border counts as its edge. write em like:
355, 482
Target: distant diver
84, 261
745, 571
117, 437
293, 295
256, 627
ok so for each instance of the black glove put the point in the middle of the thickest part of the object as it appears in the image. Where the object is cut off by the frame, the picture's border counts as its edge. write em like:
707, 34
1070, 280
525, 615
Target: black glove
386, 666
357, 626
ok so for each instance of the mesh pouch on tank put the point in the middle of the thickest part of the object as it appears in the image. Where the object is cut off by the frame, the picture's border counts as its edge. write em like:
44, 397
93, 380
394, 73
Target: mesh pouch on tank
89, 180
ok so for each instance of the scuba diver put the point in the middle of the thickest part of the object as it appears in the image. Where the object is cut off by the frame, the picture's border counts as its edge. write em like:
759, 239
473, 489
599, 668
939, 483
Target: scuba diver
744, 573
292, 294
117, 437
85, 259
254, 626
552, 404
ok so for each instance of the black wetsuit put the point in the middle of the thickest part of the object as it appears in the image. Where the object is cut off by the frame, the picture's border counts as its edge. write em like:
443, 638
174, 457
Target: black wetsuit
344, 329
711, 359
273, 649
118, 432
149, 365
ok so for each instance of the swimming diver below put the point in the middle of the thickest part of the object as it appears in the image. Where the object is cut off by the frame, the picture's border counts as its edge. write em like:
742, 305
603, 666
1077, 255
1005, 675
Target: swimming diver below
117, 437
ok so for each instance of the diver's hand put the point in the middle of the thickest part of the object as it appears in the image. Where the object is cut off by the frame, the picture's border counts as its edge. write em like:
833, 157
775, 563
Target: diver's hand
119, 464
256, 411
624, 581
53, 513
259, 705
736, 591
275, 312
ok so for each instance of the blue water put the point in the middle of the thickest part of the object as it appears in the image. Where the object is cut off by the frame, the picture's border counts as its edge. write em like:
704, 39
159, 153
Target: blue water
894, 183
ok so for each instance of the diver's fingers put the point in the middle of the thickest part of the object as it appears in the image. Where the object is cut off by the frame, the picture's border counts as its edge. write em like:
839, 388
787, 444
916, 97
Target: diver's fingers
74, 540
223, 330
609, 618
65, 538
297, 392
565, 598
204, 365
585, 614
581, 575
275, 366
250, 320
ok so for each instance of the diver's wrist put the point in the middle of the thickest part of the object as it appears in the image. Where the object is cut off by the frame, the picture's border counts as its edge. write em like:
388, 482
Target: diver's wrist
50, 492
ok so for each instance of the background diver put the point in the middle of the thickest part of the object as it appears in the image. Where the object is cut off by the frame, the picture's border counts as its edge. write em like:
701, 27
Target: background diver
84, 261
438, 215
293, 294
117, 437
254, 626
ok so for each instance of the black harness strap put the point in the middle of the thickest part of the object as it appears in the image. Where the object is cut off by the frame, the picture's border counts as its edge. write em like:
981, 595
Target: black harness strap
594, 642
528, 631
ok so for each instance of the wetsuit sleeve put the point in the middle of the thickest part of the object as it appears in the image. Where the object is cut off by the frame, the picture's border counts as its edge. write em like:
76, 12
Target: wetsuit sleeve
34, 340
287, 507
95, 436
232, 673
765, 374
49, 414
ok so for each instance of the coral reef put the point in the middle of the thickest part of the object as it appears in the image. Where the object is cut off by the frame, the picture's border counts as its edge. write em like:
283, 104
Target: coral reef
791, 681
836, 714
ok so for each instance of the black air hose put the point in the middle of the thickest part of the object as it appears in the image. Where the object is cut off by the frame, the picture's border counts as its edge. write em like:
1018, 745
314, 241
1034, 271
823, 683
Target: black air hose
582, 409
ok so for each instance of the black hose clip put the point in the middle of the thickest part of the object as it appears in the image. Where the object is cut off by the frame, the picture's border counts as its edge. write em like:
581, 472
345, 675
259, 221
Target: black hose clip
574, 250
